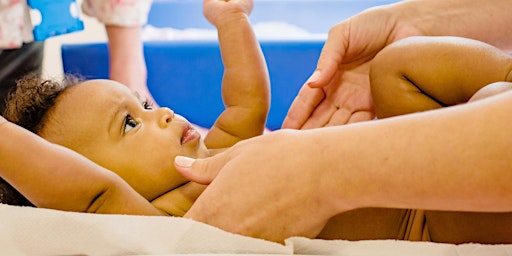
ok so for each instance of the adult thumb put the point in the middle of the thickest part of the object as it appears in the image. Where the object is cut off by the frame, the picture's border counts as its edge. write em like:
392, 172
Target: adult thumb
202, 171
330, 58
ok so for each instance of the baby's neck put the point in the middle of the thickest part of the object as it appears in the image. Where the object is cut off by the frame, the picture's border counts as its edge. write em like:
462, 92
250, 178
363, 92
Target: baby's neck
178, 201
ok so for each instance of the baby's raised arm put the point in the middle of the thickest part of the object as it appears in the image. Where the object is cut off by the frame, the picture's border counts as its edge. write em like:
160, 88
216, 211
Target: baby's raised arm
422, 73
245, 84
51, 176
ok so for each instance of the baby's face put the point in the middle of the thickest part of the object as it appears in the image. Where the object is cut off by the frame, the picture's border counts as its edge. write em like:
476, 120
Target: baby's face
111, 125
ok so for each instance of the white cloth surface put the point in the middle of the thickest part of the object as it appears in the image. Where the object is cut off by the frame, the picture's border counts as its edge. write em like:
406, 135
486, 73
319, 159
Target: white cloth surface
306, 246
35, 231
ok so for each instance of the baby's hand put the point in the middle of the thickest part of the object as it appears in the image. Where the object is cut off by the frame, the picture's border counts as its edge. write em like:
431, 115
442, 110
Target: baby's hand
216, 11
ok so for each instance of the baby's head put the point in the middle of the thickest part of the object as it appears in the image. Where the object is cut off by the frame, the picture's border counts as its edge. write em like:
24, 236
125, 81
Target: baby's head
109, 124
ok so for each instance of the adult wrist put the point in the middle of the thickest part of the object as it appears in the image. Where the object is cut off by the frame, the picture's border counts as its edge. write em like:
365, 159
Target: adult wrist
339, 187
479, 20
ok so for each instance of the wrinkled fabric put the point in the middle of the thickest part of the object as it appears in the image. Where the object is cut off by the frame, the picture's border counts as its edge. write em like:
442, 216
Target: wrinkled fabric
16, 29
118, 12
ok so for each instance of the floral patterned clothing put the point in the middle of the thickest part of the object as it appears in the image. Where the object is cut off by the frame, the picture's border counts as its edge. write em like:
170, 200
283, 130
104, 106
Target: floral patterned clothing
16, 29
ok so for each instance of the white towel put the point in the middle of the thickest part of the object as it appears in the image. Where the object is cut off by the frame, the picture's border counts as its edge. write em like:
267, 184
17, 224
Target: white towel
35, 231
393, 248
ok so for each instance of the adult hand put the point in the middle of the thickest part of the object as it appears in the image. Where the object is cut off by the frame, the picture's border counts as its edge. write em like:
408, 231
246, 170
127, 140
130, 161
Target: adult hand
274, 199
338, 92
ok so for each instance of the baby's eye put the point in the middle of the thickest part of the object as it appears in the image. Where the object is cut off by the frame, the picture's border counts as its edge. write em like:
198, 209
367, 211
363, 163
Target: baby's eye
129, 123
147, 105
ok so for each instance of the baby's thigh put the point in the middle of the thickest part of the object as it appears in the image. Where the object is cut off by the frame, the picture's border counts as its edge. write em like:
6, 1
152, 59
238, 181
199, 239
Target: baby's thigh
466, 227
367, 223
491, 89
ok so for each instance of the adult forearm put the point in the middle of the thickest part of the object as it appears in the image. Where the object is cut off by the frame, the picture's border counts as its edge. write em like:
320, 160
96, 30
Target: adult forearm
457, 158
487, 21
127, 63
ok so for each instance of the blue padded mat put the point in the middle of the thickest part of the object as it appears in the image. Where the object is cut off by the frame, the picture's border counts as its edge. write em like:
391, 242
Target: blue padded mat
186, 76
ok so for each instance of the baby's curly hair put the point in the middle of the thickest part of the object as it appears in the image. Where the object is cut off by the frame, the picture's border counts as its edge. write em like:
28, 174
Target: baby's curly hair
33, 97
27, 106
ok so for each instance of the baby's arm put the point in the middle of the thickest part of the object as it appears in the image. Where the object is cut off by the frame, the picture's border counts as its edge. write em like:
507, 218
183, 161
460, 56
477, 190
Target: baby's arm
422, 73
51, 176
245, 84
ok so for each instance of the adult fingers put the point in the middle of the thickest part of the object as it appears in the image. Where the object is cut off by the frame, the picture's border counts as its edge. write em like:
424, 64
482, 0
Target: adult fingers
343, 117
331, 56
361, 116
321, 116
302, 106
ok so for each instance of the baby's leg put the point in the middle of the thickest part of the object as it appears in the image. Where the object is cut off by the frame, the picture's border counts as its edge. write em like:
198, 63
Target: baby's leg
423, 73
394, 92
491, 89
374, 223
469, 227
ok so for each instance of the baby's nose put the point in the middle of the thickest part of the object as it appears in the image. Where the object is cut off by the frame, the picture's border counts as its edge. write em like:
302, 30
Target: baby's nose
166, 116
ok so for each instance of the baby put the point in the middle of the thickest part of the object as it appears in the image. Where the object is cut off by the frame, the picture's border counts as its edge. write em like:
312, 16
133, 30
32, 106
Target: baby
115, 128
112, 126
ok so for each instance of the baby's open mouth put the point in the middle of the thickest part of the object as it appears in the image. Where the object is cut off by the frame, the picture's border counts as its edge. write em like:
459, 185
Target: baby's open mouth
189, 134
